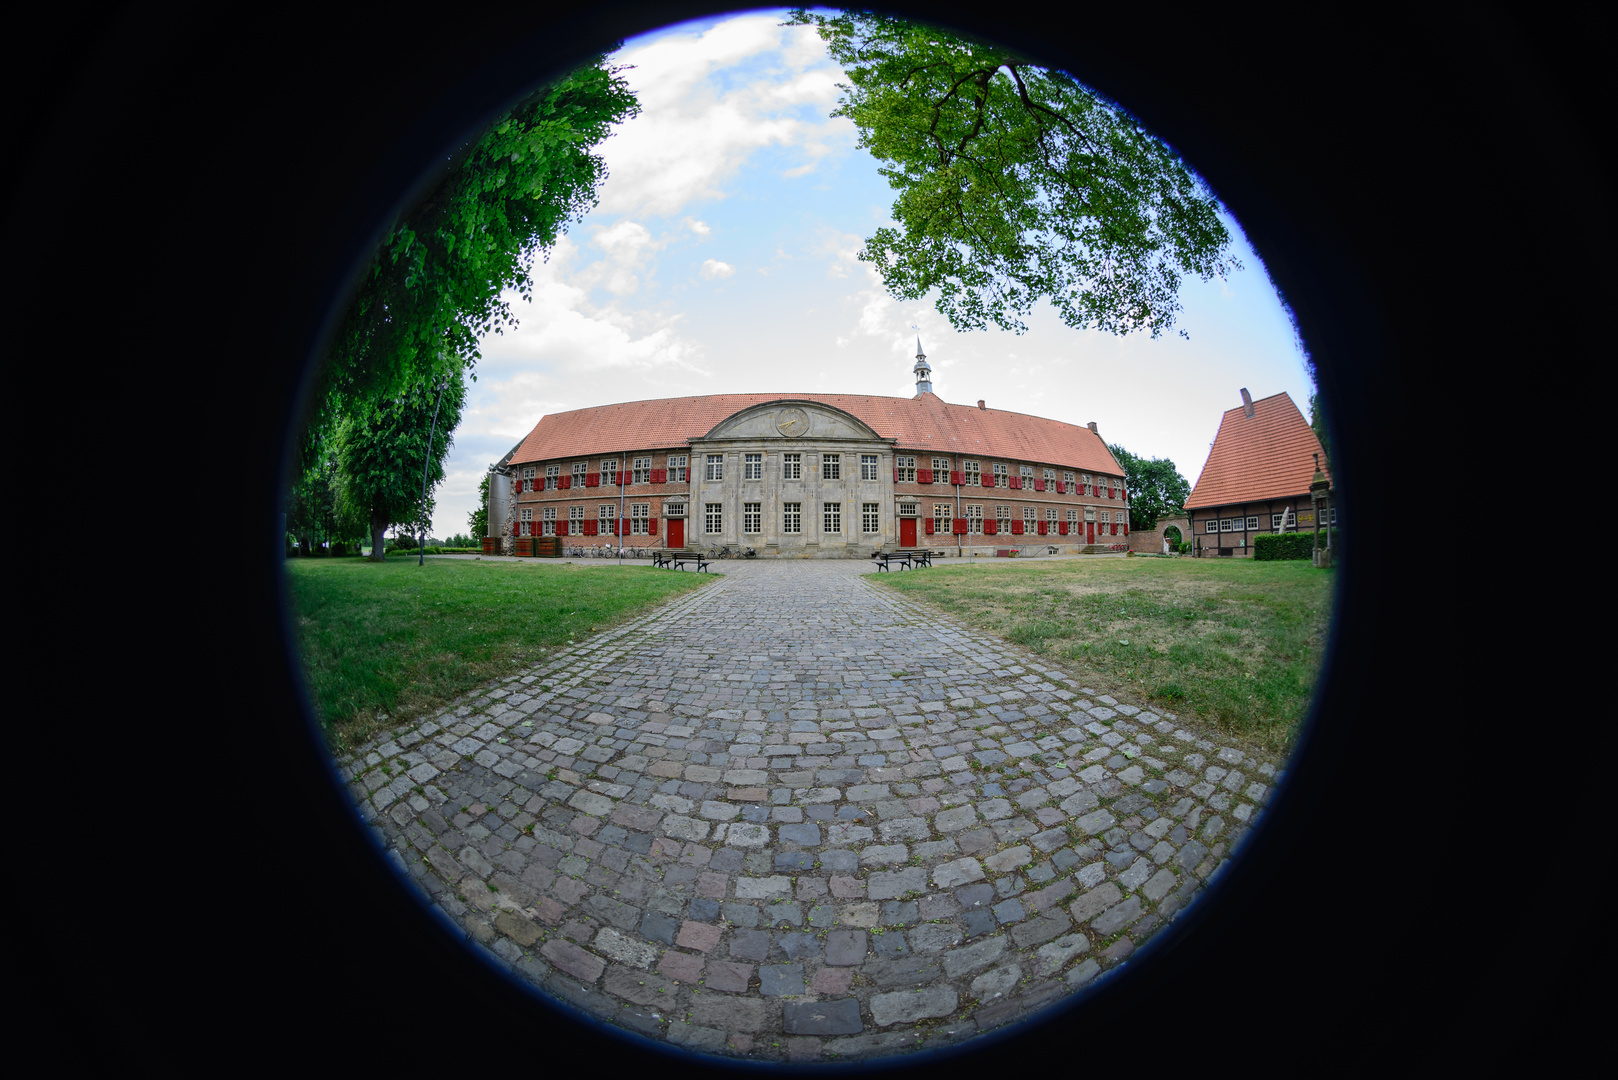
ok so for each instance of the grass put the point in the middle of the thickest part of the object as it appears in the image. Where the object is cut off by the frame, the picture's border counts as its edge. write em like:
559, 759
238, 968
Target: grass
386, 642
1233, 643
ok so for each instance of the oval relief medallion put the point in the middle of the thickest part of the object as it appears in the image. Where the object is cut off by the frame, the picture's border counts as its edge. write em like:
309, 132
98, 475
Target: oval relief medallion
792, 423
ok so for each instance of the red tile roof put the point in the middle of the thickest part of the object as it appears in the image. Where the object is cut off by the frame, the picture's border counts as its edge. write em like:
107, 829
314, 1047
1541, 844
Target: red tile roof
924, 424
1266, 456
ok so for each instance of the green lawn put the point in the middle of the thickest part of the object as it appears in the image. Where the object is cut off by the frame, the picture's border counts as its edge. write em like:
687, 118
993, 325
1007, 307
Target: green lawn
1234, 643
387, 642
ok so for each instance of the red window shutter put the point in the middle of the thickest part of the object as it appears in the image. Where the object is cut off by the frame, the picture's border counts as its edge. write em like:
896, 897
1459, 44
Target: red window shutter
1126, 528
988, 479
516, 529
651, 526
990, 527
660, 476
929, 524
955, 477
896, 474
592, 479
924, 476
1016, 483
1043, 527
563, 483
958, 526
1115, 528
1039, 485
589, 527
1061, 528
1016, 528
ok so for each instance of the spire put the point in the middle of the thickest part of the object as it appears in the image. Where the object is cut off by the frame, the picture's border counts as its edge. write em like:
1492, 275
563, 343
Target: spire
923, 373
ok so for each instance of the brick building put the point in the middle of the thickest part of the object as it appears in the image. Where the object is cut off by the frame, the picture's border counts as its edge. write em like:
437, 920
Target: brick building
811, 476
1257, 478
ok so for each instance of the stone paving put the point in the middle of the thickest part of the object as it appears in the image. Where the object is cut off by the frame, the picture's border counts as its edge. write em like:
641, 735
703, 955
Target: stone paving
794, 816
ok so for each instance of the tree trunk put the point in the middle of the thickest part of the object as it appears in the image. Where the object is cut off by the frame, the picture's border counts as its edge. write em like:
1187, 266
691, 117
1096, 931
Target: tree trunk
378, 527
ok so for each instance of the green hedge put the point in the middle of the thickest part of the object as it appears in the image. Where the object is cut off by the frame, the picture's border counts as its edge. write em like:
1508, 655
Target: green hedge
1295, 545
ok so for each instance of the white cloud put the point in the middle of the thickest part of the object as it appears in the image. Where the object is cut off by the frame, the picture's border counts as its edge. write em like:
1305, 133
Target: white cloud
713, 268
699, 227
709, 99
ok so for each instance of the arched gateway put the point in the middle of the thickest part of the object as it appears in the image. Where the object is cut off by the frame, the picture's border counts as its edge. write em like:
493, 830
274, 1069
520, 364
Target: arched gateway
811, 476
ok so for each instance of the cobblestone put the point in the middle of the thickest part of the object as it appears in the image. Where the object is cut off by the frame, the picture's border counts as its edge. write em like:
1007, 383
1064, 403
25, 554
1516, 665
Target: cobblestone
731, 826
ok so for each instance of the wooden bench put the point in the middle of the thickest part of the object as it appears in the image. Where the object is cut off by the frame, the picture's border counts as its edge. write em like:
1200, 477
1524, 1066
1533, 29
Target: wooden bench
886, 559
680, 558
918, 557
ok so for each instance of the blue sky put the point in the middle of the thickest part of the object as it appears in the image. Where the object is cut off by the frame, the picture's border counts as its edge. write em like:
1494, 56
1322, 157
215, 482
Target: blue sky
720, 259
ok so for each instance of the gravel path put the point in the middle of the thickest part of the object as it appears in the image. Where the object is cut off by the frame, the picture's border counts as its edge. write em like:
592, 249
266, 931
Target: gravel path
794, 816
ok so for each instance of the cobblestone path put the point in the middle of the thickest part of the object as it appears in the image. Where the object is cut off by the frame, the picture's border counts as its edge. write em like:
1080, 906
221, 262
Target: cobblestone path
794, 816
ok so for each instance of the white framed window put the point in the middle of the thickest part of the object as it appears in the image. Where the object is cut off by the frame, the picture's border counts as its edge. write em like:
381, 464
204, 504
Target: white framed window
752, 518
907, 469
643, 471
1050, 476
1227, 524
528, 472
579, 470
527, 520
606, 513
969, 473
974, 521
716, 467
1252, 523
1089, 484
941, 518
1290, 519
713, 518
870, 517
831, 468
940, 470
792, 466
677, 467
1106, 517
752, 467
907, 509
868, 466
1002, 476
1028, 517
638, 513
1028, 477
1067, 482
1072, 519
575, 521
609, 473
552, 474
792, 518
831, 517
1211, 526
550, 520
1332, 515
1002, 517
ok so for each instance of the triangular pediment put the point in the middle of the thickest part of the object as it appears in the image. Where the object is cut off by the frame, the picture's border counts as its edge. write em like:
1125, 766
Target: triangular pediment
791, 419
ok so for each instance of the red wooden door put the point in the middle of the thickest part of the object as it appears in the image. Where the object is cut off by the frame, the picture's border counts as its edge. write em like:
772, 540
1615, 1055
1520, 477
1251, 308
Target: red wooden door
1089, 532
676, 533
907, 532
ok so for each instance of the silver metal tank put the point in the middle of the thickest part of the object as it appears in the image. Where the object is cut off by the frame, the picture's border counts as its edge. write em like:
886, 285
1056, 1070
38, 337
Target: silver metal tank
499, 503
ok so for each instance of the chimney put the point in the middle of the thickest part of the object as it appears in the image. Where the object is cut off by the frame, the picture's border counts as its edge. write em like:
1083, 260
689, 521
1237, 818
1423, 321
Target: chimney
982, 406
1247, 403
1093, 427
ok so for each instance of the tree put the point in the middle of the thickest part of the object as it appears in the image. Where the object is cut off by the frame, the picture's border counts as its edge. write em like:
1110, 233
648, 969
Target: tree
435, 285
1016, 184
1317, 419
1156, 489
478, 519
381, 451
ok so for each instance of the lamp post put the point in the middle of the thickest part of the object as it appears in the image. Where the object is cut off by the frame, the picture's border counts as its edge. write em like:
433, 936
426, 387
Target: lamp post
421, 541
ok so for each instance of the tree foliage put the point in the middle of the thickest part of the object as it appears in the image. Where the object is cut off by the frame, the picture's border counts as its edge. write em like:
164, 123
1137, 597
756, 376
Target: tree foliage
381, 450
434, 288
1015, 183
1156, 488
478, 519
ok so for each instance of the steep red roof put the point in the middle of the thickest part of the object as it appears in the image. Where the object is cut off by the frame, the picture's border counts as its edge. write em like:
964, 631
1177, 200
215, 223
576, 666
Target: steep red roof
1269, 455
924, 425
